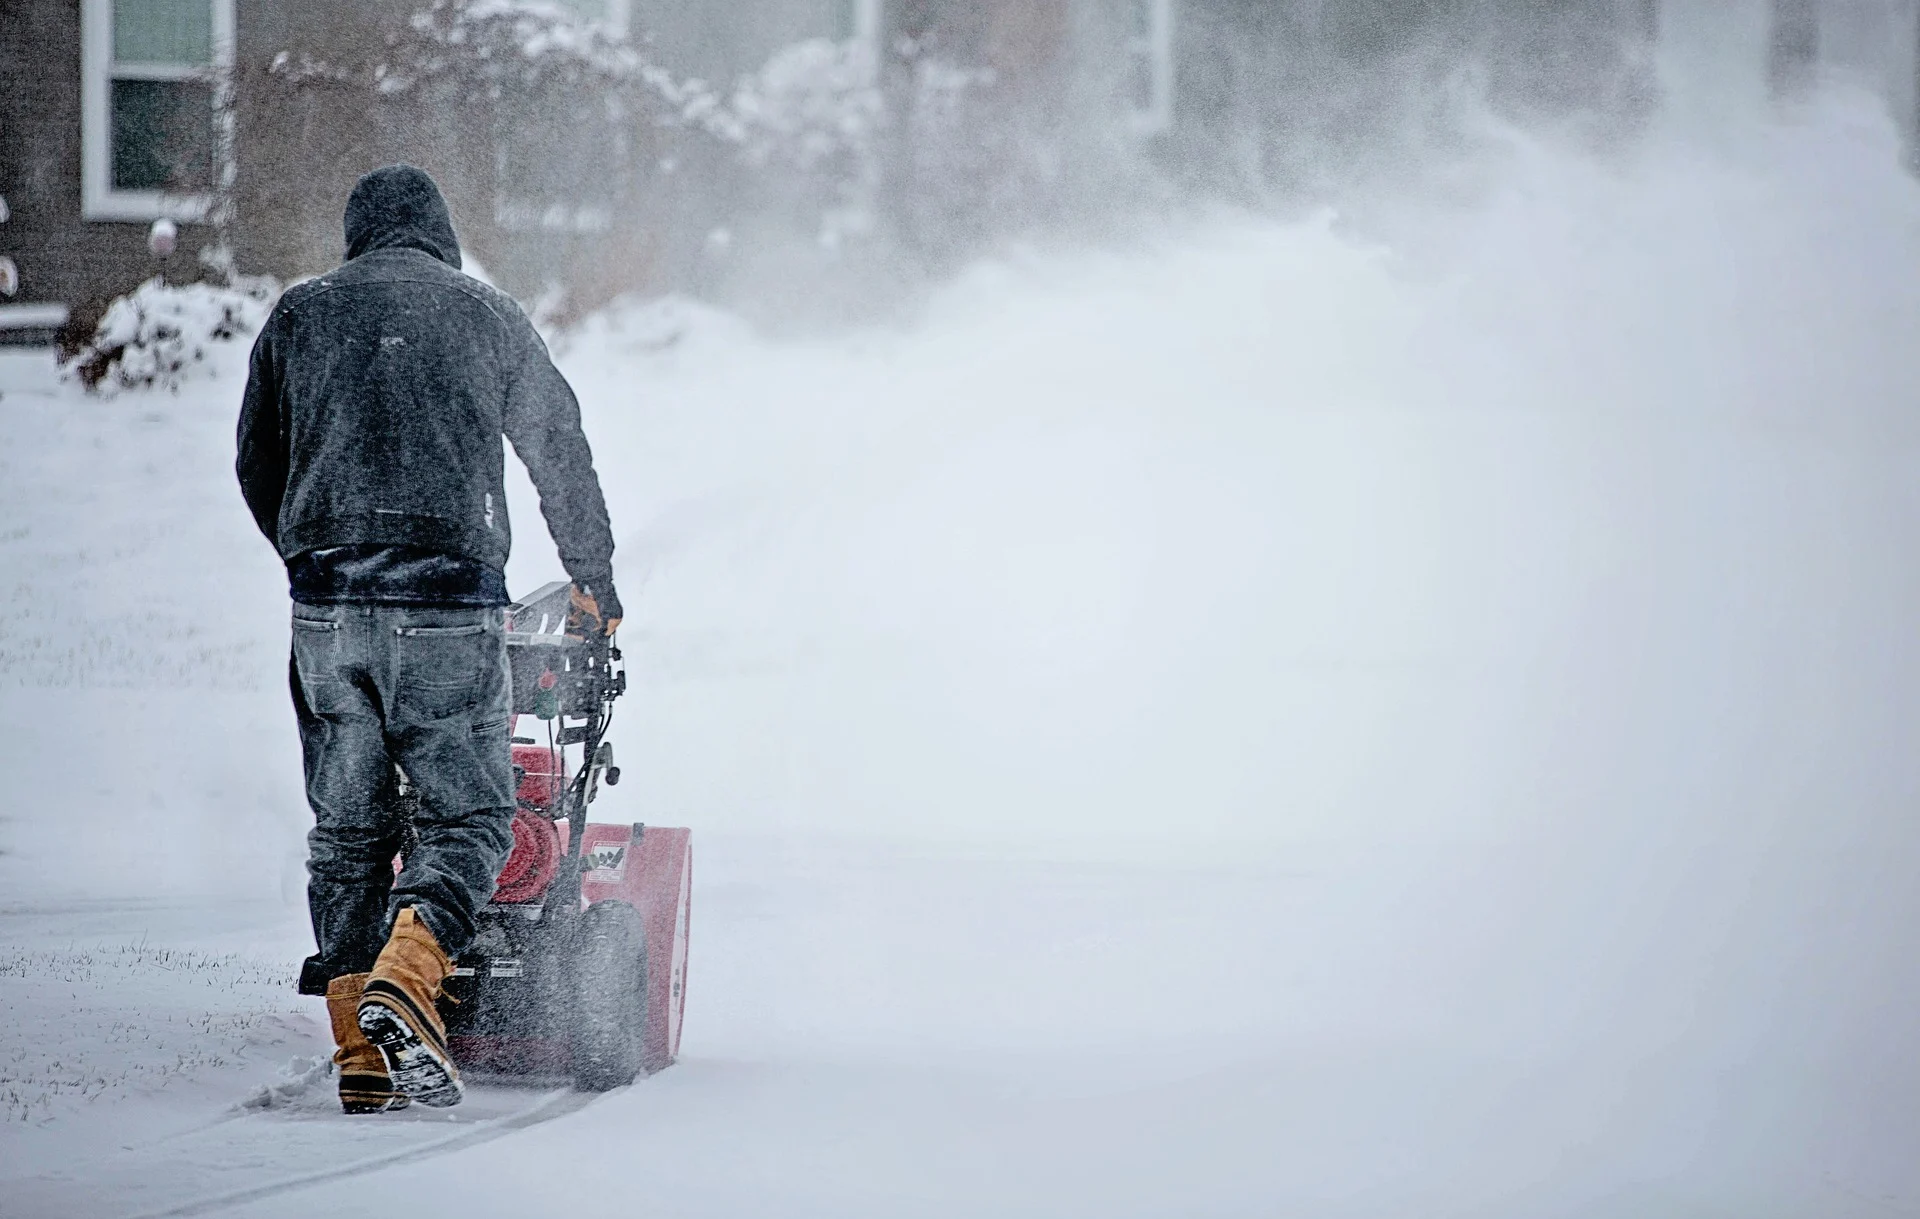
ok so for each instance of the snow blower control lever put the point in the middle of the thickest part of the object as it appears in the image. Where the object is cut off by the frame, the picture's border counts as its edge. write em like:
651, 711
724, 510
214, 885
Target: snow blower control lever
557, 677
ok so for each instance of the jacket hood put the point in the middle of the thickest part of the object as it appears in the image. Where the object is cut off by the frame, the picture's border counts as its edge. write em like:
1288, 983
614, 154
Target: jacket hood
400, 207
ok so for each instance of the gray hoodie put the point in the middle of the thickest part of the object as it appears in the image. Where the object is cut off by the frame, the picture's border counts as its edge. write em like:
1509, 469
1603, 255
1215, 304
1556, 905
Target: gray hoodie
378, 395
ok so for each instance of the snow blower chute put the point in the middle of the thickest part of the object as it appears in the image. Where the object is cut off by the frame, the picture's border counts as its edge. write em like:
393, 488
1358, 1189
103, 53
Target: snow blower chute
579, 967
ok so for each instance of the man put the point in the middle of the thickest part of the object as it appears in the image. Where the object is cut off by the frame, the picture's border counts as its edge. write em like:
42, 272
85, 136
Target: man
370, 453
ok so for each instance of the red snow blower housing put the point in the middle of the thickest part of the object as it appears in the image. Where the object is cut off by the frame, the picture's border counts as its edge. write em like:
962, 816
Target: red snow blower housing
579, 967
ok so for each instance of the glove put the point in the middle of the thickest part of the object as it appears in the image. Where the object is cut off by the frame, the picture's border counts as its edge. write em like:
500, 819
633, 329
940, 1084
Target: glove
593, 610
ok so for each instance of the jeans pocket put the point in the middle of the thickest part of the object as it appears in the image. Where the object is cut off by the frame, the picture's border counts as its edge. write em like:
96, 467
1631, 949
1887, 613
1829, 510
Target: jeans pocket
318, 660
446, 667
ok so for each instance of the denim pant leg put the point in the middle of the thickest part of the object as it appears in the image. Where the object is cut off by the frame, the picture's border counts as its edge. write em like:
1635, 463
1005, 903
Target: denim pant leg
446, 725
355, 833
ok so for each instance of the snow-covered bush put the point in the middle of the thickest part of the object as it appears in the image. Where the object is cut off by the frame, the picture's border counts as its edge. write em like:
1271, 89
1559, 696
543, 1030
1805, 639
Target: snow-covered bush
811, 103
502, 49
153, 337
812, 116
812, 110
609, 172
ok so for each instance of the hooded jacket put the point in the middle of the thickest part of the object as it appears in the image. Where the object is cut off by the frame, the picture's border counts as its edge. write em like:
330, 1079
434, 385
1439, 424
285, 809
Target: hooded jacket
376, 402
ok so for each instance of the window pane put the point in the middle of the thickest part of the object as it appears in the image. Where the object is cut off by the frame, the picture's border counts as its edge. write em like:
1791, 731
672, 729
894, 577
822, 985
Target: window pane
846, 20
162, 135
163, 31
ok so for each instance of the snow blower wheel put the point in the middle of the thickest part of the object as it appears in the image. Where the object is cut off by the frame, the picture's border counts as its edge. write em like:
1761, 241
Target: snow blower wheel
609, 996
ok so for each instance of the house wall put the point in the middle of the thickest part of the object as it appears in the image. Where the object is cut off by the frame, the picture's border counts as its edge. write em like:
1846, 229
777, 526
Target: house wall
63, 258
299, 149
1285, 96
1266, 94
1875, 45
1031, 141
548, 189
540, 197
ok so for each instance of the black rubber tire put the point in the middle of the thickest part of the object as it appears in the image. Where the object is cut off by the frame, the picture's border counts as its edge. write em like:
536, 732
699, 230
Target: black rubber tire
609, 996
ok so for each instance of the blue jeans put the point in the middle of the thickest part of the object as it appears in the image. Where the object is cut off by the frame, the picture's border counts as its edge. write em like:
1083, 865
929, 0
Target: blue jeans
427, 690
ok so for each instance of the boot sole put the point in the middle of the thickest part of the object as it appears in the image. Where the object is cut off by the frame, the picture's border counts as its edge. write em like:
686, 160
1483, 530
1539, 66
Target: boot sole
420, 1069
369, 1094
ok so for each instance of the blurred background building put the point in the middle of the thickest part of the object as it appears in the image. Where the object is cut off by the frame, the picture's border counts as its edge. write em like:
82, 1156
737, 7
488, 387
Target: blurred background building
768, 147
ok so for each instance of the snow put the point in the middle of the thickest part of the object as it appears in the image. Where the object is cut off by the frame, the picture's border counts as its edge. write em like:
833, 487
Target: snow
1279, 720
161, 334
811, 101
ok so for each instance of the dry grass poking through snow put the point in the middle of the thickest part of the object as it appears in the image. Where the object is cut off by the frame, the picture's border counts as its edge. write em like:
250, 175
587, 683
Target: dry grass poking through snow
99, 1024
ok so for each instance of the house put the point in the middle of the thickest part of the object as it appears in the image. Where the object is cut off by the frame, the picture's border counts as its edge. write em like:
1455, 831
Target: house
602, 147
97, 120
1279, 97
1873, 45
238, 122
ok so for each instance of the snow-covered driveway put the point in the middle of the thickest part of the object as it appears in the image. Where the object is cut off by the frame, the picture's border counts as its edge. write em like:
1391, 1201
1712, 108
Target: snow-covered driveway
1261, 724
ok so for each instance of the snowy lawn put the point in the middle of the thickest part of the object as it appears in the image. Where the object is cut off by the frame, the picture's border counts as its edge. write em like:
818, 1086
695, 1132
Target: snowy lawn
1267, 723
219, 1006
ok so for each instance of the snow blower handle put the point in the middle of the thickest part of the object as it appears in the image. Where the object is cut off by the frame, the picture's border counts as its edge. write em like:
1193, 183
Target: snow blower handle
564, 662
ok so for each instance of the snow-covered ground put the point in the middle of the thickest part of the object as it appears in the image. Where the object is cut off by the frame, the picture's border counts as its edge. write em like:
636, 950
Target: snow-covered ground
1273, 722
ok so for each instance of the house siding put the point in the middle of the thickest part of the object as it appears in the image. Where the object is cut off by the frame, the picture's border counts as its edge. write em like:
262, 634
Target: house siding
1275, 95
298, 151
63, 258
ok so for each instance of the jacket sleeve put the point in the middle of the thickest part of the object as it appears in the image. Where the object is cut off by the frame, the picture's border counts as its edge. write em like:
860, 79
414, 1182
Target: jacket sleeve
543, 423
262, 459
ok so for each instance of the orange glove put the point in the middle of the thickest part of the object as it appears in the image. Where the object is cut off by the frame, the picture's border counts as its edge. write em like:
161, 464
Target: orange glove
593, 611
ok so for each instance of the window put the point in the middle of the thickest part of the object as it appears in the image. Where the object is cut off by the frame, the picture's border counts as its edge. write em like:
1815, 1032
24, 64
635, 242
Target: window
857, 21
1148, 81
154, 141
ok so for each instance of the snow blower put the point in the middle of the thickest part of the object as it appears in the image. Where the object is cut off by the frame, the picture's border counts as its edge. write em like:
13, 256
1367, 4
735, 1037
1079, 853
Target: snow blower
579, 967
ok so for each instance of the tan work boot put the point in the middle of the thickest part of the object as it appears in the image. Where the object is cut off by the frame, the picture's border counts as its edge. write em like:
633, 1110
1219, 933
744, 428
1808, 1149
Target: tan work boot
397, 1014
364, 1085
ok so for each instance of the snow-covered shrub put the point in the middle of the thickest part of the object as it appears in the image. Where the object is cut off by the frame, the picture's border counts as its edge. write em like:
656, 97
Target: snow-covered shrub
812, 115
567, 137
500, 49
812, 110
609, 172
155, 336
811, 103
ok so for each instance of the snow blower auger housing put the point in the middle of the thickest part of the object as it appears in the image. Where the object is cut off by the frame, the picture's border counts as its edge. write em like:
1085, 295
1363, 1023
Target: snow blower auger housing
579, 967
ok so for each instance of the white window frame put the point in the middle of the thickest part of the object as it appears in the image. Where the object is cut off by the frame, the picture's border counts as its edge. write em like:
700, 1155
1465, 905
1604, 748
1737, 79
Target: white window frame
1156, 47
866, 24
869, 17
99, 200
